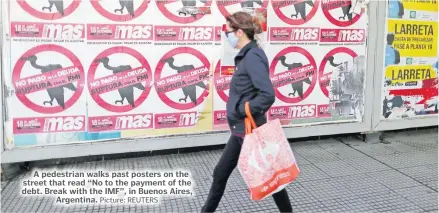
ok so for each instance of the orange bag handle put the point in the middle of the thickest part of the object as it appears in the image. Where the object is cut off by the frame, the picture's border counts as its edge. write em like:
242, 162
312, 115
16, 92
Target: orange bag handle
249, 122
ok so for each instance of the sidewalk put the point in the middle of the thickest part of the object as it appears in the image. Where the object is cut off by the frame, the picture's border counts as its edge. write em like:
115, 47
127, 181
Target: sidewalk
337, 175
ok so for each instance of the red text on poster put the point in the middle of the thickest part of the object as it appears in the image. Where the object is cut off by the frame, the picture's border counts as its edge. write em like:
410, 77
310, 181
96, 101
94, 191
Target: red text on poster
175, 120
184, 33
296, 34
49, 124
342, 35
120, 32
48, 30
120, 122
292, 112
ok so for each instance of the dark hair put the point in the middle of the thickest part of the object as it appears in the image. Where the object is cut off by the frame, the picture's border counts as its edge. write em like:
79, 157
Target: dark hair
390, 38
244, 21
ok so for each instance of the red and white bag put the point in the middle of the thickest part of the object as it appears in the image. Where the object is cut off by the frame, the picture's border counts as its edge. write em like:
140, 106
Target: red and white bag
266, 162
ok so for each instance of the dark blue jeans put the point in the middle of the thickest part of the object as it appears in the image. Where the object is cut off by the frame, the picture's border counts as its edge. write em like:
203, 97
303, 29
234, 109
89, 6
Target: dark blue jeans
222, 171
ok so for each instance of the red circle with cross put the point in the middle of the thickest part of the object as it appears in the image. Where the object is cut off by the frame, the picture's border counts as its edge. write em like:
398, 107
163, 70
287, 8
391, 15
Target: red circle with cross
182, 20
221, 93
159, 69
51, 15
300, 20
18, 69
337, 22
324, 62
92, 72
308, 56
120, 18
221, 4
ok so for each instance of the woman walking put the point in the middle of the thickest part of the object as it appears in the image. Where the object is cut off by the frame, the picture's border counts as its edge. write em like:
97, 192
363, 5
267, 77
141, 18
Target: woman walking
250, 83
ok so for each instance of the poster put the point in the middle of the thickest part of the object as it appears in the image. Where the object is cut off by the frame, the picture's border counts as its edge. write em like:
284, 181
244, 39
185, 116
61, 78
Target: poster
308, 41
183, 39
119, 73
47, 77
147, 68
411, 58
412, 9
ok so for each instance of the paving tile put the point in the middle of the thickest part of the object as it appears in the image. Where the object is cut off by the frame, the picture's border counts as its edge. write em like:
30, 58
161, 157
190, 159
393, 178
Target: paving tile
239, 201
423, 174
432, 184
421, 196
300, 160
337, 168
299, 195
327, 189
393, 179
404, 161
341, 150
310, 172
330, 144
389, 201
315, 154
194, 158
347, 205
366, 165
309, 207
359, 184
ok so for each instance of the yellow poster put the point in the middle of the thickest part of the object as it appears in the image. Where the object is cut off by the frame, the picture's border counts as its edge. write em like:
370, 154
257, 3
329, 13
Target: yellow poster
409, 73
414, 38
421, 5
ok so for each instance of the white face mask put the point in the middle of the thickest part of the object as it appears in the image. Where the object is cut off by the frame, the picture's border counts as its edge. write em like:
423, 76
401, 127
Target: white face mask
232, 39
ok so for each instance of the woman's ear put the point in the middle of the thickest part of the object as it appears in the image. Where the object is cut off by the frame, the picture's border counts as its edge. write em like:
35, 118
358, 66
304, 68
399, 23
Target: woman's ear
240, 33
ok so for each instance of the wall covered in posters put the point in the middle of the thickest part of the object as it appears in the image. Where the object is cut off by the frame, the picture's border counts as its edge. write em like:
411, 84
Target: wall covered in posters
410, 86
152, 68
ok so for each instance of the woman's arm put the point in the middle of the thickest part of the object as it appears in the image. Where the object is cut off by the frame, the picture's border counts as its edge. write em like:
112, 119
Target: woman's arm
256, 65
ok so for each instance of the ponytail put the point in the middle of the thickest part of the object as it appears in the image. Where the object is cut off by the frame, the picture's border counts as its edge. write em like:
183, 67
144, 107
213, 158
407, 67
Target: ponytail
252, 26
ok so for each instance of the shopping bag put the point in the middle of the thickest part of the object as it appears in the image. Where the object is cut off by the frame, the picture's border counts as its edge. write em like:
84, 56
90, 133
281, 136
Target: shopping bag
266, 162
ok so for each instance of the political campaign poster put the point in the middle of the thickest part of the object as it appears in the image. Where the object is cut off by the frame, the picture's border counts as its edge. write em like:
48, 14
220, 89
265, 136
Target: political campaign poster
120, 37
293, 73
119, 77
411, 9
410, 86
119, 81
46, 80
308, 41
49, 101
182, 79
145, 68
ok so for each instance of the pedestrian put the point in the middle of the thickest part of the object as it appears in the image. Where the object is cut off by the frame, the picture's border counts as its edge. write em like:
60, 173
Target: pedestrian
250, 83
